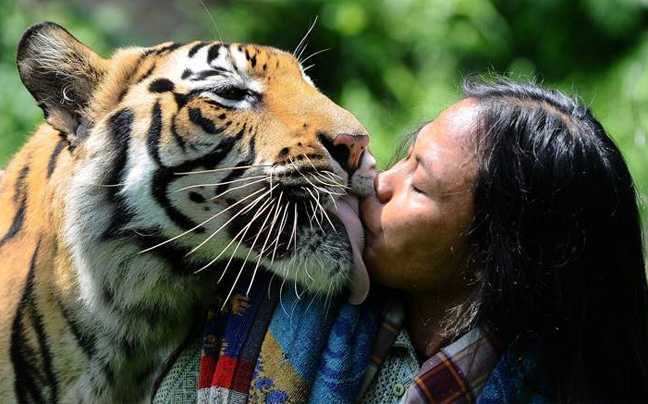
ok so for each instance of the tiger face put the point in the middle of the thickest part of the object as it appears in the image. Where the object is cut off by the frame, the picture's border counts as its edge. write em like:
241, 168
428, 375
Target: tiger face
206, 156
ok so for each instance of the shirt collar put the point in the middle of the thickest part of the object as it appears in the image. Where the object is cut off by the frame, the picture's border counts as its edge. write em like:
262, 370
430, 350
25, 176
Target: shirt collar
457, 373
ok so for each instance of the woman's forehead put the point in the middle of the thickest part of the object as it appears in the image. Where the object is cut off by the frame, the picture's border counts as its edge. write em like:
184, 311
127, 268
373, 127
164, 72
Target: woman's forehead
452, 125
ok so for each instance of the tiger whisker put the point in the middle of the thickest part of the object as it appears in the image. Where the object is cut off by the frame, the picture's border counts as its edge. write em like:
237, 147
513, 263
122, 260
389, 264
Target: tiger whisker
247, 256
222, 169
139, 233
265, 242
302, 51
220, 254
275, 243
331, 173
220, 38
283, 308
238, 276
334, 184
308, 67
328, 184
297, 294
327, 301
297, 49
311, 163
310, 217
105, 185
294, 231
201, 224
254, 177
238, 187
240, 212
284, 219
318, 176
334, 203
314, 54
322, 209
308, 274
306, 178
315, 213
243, 231
292, 310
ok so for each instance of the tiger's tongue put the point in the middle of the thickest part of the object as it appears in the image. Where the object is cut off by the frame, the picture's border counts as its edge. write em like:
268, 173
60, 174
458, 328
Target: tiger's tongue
348, 212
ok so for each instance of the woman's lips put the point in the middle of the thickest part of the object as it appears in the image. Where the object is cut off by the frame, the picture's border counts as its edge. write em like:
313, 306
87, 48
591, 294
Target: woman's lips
366, 210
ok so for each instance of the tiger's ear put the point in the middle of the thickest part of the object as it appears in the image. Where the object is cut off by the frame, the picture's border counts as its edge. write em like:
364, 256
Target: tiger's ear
61, 73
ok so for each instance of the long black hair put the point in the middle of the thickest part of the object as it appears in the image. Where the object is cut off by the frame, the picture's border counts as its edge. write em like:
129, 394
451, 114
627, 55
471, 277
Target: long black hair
556, 241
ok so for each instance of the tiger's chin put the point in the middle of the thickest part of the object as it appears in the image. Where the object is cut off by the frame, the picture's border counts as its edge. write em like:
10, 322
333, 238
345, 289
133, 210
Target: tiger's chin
321, 263
327, 259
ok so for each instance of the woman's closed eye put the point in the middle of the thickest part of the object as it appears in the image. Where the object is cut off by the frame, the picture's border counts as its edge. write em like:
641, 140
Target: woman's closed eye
417, 189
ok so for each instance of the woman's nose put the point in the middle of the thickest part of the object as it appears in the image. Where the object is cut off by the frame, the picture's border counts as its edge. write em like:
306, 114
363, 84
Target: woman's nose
384, 186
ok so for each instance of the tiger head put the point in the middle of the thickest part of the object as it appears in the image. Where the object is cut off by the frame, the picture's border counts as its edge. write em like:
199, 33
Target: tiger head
202, 156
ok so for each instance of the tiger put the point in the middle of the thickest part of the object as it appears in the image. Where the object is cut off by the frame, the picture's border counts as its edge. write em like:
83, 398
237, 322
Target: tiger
157, 174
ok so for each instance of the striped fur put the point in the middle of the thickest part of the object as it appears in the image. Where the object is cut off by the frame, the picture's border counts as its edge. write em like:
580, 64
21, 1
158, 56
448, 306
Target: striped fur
85, 314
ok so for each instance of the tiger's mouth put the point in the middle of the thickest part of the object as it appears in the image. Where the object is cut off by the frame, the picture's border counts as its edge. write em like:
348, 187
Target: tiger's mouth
298, 222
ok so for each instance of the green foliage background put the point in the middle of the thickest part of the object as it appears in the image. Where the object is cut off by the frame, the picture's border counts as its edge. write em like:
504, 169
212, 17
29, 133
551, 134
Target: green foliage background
393, 63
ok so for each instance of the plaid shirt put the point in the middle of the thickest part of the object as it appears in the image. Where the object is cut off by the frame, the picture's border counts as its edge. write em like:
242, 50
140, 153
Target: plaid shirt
456, 374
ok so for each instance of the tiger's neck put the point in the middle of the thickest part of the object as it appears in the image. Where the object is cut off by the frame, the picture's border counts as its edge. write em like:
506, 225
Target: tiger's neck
128, 311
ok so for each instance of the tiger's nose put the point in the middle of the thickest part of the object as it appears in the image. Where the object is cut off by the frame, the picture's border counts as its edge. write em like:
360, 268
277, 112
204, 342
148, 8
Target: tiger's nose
346, 149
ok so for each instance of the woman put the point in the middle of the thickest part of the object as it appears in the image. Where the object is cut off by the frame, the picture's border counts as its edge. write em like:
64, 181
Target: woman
512, 230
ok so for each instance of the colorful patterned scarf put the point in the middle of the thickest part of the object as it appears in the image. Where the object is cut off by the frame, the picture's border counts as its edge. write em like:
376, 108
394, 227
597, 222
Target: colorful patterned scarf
264, 349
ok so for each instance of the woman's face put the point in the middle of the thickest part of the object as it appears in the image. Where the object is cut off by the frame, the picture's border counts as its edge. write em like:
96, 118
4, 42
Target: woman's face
416, 221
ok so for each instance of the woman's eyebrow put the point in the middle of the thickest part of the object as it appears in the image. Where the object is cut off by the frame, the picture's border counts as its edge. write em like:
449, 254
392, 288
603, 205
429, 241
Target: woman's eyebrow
424, 164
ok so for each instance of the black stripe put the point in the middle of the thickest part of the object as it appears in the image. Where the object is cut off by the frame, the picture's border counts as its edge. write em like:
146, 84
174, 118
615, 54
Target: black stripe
51, 164
194, 49
19, 185
238, 173
176, 136
206, 124
202, 75
43, 345
213, 52
182, 99
186, 73
251, 150
120, 131
155, 132
217, 104
161, 86
85, 340
146, 74
122, 94
29, 381
161, 180
20, 196
164, 50
16, 224
250, 58
163, 177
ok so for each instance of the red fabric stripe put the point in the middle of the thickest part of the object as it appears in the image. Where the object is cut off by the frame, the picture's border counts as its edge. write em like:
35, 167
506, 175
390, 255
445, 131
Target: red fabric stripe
207, 367
224, 372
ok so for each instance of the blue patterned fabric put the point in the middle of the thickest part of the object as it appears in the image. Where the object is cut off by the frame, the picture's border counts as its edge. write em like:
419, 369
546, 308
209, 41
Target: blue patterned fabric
314, 352
518, 377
